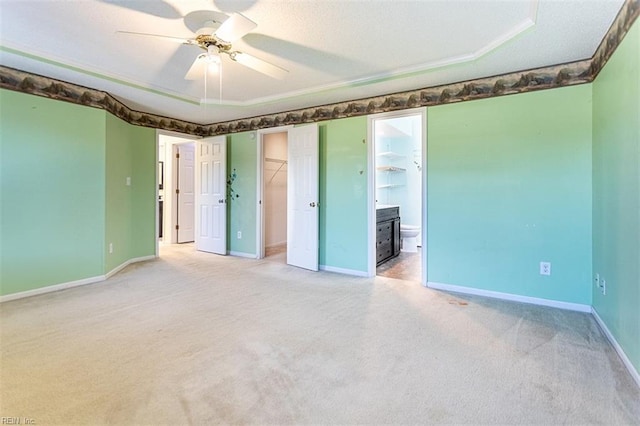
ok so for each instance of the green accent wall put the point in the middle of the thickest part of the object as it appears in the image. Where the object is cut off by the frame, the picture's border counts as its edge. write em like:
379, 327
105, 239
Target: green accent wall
63, 170
616, 194
509, 186
143, 209
343, 194
242, 156
52, 177
130, 210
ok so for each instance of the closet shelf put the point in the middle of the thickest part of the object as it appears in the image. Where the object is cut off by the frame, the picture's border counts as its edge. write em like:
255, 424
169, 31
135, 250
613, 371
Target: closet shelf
390, 169
390, 155
390, 185
278, 161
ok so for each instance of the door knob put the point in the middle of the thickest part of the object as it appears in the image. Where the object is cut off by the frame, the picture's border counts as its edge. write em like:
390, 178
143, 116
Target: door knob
312, 204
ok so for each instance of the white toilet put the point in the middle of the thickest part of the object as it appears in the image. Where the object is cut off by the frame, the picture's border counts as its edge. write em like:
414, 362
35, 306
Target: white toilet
408, 235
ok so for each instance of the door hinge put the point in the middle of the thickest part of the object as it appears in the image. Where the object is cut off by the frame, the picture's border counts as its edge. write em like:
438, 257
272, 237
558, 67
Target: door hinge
177, 191
177, 227
178, 155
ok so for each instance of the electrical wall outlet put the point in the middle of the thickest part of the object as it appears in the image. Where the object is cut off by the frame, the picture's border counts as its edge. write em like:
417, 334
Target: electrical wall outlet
110, 248
601, 283
545, 268
128, 181
239, 235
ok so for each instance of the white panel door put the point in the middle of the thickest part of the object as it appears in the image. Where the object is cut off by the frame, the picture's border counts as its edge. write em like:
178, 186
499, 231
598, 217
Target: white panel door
186, 212
211, 195
302, 197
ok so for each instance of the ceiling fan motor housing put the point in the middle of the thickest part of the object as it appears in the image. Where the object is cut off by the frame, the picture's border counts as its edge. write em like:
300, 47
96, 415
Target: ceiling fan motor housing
206, 40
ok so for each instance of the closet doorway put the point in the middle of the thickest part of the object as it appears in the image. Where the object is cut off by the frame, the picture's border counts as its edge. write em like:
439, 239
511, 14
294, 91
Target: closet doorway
272, 199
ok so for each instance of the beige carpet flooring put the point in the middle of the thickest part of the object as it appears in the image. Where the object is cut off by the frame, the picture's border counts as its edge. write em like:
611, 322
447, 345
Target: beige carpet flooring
194, 338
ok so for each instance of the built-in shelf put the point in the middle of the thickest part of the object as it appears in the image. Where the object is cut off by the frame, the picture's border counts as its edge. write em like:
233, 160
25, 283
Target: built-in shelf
390, 169
390, 185
390, 155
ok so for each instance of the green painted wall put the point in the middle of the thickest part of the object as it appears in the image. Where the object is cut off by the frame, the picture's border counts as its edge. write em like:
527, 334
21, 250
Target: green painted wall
509, 185
63, 169
343, 194
119, 165
130, 210
143, 152
52, 191
242, 156
616, 193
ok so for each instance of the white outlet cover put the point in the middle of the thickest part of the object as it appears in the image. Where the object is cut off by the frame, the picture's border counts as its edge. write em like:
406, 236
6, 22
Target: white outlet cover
545, 268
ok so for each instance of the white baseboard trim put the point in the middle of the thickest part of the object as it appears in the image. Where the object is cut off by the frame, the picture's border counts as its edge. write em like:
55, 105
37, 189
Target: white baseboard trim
71, 284
512, 297
51, 288
274, 245
127, 263
623, 356
242, 254
343, 271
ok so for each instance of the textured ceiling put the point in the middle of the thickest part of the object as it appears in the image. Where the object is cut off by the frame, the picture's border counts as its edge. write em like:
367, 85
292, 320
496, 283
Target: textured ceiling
334, 50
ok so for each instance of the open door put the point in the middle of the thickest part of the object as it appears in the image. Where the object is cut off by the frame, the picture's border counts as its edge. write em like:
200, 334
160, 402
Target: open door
185, 194
302, 197
211, 195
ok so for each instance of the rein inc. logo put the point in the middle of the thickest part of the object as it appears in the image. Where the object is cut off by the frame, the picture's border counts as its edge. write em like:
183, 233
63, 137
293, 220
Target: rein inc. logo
17, 421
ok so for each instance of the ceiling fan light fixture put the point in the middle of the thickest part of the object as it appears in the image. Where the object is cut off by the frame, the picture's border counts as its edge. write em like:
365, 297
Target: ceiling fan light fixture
212, 55
212, 58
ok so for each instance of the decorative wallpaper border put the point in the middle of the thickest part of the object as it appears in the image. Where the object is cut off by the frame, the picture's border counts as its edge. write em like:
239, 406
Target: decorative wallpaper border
551, 77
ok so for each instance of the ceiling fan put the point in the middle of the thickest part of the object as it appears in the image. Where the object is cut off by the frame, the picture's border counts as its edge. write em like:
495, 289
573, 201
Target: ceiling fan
219, 41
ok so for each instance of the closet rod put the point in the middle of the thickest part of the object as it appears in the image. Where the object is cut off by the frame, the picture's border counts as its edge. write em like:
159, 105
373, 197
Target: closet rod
275, 160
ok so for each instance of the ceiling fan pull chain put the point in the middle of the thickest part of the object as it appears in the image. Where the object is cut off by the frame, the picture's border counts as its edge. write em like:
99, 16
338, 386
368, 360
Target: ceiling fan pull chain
206, 71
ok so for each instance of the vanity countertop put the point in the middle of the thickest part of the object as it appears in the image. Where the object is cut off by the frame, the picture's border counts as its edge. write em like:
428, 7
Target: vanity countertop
385, 206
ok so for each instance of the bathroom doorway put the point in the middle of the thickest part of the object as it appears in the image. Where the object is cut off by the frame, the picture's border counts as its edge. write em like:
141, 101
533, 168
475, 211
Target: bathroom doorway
175, 214
398, 189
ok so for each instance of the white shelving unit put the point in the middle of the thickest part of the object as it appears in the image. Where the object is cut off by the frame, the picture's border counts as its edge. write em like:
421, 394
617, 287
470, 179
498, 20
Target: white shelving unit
390, 155
387, 176
390, 169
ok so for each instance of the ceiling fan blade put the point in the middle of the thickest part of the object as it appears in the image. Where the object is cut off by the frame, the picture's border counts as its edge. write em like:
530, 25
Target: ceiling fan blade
169, 38
196, 69
235, 27
259, 65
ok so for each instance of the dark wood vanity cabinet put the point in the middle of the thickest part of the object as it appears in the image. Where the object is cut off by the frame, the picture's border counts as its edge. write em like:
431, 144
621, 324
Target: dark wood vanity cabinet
387, 234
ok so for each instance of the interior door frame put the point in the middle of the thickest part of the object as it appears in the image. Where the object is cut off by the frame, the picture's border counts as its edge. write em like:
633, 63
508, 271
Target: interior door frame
260, 251
172, 139
371, 187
